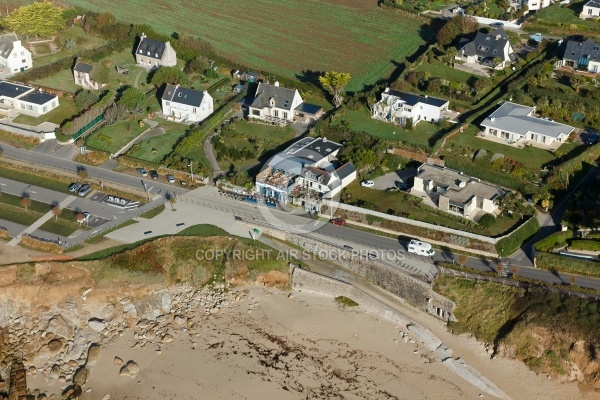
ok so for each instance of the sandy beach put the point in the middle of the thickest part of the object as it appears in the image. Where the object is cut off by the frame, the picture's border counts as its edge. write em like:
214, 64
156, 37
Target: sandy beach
270, 344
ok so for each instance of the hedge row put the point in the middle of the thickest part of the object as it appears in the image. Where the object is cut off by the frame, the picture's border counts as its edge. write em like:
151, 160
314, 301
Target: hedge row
556, 240
511, 243
585, 244
554, 262
575, 164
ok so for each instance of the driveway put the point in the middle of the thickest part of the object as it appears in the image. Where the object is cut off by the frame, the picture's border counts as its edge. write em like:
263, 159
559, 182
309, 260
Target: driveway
389, 180
52, 148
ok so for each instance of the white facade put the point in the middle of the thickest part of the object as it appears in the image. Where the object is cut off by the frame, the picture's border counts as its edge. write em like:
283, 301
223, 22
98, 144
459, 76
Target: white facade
13, 56
398, 107
591, 9
274, 103
82, 73
186, 105
534, 5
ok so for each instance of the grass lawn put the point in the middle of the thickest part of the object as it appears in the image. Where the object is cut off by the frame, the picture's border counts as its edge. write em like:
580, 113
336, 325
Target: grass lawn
373, 39
61, 227
320, 101
84, 41
113, 137
361, 121
154, 212
556, 14
266, 139
531, 157
440, 70
18, 215
156, 148
35, 180
65, 111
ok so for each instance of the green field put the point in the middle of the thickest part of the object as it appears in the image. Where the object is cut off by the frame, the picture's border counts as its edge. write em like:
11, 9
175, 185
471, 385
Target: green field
360, 120
287, 37
564, 16
112, 137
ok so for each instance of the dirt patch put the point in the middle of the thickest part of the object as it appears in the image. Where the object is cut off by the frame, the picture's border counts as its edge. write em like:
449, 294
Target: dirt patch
356, 4
274, 279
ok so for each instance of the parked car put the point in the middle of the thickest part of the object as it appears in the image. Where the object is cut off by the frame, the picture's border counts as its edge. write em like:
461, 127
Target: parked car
368, 184
401, 185
170, 178
183, 183
591, 139
86, 215
73, 187
142, 171
496, 24
338, 221
154, 174
85, 189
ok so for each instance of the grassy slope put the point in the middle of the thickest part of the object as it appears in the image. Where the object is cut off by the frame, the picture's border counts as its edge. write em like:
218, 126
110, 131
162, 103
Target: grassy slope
540, 327
301, 35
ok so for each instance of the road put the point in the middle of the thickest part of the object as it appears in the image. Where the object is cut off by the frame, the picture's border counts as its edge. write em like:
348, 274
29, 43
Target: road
94, 172
358, 239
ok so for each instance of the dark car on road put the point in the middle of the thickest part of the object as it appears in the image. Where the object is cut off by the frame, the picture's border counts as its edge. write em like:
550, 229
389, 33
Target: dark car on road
154, 174
338, 221
73, 187
592, 139
85, 189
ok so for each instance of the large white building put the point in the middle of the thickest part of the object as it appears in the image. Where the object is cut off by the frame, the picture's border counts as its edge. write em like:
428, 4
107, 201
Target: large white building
454, 192
398, 107
13, 56
516, 123
186, 105
307, 170
535, 5
26, 99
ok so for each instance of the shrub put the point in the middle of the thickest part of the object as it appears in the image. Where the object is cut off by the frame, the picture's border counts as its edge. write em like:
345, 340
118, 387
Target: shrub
554, 262
373, 218
511, 243
487, 221
556, 240
585, 244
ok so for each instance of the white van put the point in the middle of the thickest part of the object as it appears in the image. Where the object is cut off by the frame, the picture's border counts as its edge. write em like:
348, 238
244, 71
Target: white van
420, 248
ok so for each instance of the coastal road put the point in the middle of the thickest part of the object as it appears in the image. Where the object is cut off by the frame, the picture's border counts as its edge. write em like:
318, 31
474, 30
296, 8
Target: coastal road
209, 198
135, 182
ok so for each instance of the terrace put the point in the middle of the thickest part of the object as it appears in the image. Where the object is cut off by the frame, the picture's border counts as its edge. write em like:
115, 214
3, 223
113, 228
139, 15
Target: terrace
519, 144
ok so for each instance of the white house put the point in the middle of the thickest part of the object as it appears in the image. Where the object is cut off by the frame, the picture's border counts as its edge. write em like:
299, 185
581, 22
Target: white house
516, 123
398, 107
13, 56
535, 5
186, 105
307, 170
491, 50
274, 103
591, 9
582, 56
82, 72
26, 99
152, 54
454, 192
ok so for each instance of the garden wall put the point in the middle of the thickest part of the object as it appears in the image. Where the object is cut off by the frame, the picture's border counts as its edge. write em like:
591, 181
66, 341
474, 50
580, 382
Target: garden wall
42, 136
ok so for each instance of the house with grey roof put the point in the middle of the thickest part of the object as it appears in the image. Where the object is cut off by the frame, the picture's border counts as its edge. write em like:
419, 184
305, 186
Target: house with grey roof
591, 9
517, 124
454, 192
13, 56
186, 105
276, 104
492, 50
82, 72
582, 56
305, 172
152, 54
397, 107
26, 99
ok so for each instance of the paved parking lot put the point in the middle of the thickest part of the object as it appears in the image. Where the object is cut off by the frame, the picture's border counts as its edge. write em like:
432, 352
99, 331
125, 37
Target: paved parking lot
389, 180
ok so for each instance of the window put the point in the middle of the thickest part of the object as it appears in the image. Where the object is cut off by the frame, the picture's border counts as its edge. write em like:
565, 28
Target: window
167, 103
22, 53
156, 55
276, 113
256, 112
285, 115
495, 51
45, 109
504, 135
193, 110
23, 61
23, 106
483, 48
148, 53
141, 52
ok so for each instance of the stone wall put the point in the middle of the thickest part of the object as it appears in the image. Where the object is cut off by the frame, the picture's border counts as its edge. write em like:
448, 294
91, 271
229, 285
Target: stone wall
393, 280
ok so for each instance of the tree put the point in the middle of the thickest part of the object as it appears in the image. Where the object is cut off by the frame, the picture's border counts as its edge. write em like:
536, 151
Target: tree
335, 82
133, 99
577, 81
115, 113
409, 124
84, 99
363, 158
101, 73
546, 203
40, 18
462, 259
82, 172
456, 27
25, 201
497, 61
56, 210
172, 200
210, 73
196, 65
171, 75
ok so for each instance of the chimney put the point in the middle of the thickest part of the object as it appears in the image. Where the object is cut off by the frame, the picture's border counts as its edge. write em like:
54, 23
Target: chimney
498, 36
276, 84
143, 35
492, 119
387, 89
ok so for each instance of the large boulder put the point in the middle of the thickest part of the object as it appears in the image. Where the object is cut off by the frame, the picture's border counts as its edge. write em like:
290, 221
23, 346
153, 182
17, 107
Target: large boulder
97, 324
55, 346
60, 326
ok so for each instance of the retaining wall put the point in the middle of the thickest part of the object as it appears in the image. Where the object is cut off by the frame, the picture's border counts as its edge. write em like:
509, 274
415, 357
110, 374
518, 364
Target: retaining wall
42, 136
393, 280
